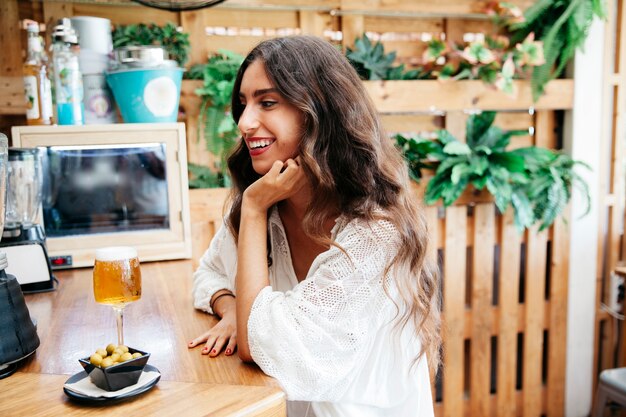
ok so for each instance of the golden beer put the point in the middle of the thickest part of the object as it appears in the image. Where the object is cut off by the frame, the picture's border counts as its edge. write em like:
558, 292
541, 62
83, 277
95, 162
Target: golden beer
116, 276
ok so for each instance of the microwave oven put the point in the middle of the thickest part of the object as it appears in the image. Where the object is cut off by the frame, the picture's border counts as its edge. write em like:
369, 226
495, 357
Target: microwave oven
112, 185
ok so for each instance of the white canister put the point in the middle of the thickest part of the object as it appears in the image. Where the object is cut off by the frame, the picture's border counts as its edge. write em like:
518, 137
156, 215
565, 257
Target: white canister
94, 33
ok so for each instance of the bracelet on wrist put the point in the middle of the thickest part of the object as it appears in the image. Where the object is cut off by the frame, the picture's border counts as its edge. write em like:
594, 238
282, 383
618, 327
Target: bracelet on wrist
212, 304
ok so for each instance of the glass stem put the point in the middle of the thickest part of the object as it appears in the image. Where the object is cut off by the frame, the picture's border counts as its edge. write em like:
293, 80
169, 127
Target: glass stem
119, 316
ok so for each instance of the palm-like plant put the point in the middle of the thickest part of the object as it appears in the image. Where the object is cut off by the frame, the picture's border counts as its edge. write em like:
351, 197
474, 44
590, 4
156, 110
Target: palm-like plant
562, 26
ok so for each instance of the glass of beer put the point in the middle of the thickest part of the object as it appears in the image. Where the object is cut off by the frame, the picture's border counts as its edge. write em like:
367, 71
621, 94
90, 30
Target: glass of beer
117, 281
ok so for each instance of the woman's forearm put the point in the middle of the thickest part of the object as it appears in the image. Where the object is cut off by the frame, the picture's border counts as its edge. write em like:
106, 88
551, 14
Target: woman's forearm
252, 270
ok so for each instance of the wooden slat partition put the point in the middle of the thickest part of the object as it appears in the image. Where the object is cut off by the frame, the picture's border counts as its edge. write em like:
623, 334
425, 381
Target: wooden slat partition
207, 209
481, 297
509, 273
533, 335
454, 307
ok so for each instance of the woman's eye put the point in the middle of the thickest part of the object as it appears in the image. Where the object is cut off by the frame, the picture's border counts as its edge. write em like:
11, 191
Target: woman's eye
267, 104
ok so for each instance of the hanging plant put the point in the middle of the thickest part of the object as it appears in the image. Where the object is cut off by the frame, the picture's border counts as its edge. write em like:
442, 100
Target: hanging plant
536, 182
562, 27
218, 127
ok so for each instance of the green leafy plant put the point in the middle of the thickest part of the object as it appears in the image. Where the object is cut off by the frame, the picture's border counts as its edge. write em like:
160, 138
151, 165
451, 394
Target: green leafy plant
492, 59
482, 162
536, 182
218, 127
551, 179
562, 26
201, 176
175, 43
372, 63
416, 151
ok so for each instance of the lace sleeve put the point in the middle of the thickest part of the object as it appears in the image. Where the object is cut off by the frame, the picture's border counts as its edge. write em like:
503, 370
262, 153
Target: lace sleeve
216, 270
312, 338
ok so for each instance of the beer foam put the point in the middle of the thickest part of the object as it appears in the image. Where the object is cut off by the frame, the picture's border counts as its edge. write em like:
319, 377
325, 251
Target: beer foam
115, 253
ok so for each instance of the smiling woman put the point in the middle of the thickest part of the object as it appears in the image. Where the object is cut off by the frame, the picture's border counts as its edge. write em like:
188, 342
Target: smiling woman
323, 243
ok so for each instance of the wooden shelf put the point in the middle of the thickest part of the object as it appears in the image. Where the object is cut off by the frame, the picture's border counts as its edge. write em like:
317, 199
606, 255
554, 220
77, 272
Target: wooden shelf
424, 96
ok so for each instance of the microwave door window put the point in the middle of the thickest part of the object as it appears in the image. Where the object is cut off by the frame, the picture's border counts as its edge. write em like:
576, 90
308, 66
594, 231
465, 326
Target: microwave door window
105, 189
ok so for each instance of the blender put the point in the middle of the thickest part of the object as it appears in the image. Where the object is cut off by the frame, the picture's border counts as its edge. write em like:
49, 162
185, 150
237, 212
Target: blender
23, 240
18, 335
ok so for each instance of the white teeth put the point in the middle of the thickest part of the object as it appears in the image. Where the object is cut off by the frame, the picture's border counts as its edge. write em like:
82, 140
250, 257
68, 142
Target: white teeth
260, 143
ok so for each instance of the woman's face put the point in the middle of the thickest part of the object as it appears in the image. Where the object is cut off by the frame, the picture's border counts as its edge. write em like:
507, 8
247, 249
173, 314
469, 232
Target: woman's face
270, 126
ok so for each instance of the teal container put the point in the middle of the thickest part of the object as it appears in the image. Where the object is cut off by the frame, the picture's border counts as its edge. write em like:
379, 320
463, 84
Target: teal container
146, 95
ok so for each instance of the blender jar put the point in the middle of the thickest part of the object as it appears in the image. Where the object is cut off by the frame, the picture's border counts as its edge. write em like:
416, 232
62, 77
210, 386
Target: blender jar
23, 187
4, 144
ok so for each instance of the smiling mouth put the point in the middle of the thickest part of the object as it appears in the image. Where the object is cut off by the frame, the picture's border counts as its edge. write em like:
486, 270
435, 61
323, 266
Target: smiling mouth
260, 143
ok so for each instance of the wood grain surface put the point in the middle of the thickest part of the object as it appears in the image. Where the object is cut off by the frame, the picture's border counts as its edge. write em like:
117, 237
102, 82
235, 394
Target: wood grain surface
71, 325
25, 394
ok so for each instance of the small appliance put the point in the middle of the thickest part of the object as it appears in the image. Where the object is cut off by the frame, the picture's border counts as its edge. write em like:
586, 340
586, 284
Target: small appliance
18, 334
23, 239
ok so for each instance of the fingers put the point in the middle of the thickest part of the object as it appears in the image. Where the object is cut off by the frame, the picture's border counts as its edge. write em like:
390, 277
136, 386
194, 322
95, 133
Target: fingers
214, 349
232, 344
215, 344
200, 339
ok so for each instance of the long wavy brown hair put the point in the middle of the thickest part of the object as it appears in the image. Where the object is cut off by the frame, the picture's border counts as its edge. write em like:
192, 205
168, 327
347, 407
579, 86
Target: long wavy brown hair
352, 165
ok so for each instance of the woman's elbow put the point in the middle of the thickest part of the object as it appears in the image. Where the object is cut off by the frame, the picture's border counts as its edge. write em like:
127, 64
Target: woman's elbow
244, 355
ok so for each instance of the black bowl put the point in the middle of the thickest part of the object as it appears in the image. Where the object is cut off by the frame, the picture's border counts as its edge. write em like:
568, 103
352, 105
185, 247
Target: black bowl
118, 376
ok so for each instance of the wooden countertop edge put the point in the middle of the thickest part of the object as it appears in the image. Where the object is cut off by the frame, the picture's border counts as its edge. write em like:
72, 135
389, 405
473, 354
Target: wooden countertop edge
268, 403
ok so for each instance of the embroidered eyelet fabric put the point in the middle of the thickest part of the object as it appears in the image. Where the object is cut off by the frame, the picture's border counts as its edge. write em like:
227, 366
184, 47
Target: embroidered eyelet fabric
329, 340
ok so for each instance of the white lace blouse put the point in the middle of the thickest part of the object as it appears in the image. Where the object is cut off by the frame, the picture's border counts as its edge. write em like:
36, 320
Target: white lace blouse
328, 340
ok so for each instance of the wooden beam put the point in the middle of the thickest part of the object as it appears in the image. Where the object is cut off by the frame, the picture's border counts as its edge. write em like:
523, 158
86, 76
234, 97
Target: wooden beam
432, 95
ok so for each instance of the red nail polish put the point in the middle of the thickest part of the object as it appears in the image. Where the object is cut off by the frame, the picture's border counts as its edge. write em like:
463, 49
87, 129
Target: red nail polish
228, 351
214, 351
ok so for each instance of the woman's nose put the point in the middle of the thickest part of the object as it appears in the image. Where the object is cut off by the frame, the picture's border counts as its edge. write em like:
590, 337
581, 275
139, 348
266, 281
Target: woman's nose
248, 121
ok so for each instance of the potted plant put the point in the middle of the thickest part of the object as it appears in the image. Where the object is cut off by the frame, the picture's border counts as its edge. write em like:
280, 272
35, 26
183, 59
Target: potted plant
175, 42
536, 182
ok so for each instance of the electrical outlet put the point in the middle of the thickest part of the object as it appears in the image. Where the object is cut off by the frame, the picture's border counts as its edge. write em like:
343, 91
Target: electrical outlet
616, 293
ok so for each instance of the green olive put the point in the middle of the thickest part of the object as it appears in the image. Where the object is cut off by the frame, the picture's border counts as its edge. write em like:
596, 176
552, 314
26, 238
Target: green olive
110, 348
95, 359
106, 362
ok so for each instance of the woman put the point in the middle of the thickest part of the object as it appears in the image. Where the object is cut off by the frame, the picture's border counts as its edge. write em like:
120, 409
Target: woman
323, 243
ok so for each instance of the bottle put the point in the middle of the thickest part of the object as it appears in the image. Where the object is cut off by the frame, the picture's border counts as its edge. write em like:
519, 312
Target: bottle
68, 81
37, 88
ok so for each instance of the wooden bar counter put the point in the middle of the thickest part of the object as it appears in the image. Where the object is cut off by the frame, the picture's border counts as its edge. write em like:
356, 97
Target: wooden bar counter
71, 325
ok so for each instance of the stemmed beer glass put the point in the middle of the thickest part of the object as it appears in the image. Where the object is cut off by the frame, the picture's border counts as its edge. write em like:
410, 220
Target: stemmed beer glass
117, 281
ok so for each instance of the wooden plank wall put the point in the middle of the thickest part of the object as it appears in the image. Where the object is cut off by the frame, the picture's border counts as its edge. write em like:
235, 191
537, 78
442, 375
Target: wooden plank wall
610, 334
504, 293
